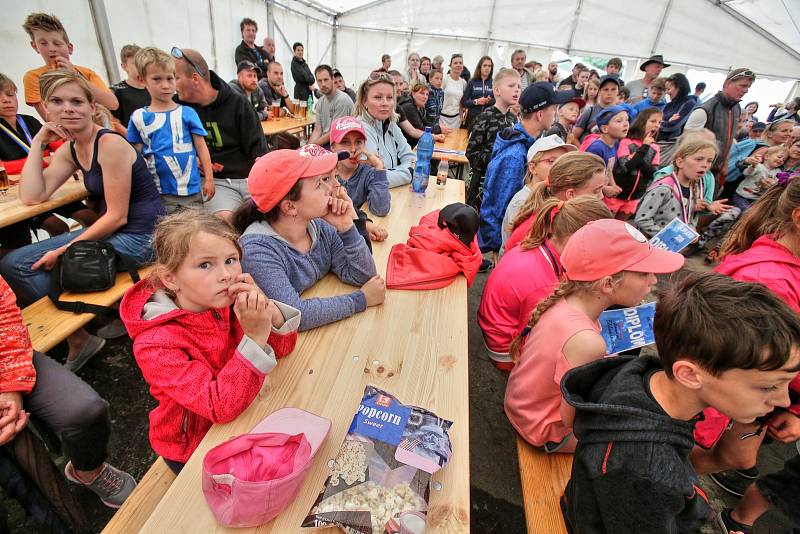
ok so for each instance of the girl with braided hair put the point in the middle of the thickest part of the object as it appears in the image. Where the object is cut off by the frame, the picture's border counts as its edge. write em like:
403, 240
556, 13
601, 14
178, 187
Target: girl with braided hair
606, 262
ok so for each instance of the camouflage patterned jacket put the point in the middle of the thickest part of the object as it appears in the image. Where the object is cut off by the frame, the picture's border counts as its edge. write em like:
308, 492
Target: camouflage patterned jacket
482, 136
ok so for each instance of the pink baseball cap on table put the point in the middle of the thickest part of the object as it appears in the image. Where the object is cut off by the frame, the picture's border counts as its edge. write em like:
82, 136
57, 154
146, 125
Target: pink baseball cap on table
250, 479
343, 126
275, 173
608, 246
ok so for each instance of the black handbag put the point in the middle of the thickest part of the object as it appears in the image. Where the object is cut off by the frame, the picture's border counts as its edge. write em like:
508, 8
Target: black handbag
88, 266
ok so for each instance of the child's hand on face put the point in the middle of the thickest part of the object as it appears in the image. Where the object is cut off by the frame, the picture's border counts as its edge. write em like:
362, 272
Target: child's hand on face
373, 160
341, 212
64, 63
377, 233
252, 308
650, 138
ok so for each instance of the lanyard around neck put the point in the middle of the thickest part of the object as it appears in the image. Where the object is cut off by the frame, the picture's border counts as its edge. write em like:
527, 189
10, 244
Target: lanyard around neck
26, 146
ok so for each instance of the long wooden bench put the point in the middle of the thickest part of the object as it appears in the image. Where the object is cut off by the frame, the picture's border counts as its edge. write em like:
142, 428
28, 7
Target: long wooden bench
48, 326
544, 477
138, 507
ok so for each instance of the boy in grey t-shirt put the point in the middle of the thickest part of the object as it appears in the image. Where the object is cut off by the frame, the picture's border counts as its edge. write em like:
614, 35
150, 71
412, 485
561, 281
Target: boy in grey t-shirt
331, 106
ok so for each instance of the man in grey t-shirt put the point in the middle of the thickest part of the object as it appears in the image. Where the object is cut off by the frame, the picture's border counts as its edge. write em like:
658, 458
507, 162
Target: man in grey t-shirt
332, 105
652, 69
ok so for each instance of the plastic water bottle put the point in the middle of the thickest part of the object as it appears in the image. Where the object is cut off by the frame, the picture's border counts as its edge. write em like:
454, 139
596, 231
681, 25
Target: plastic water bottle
310, 107
422, 170
441, 173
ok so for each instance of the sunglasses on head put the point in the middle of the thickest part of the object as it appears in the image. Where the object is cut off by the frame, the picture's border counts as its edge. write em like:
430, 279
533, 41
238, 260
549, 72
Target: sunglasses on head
743, 74
177, 53
376, 76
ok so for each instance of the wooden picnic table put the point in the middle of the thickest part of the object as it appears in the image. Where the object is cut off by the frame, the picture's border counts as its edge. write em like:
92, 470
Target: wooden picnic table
285, 124
414, 345
12, 210
455, 140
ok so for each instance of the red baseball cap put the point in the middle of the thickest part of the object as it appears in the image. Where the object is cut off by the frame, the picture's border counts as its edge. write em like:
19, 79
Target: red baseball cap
343, 126
250, 479
608, 246
275, 173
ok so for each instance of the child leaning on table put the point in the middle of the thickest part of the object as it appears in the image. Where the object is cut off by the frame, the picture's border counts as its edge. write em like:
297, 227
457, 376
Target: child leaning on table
634, 416
606, 262
171, 136
203, 334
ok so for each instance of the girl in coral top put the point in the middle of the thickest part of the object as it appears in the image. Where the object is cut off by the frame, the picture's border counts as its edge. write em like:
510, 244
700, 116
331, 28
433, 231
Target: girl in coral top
204, 335
528, 273
607, 262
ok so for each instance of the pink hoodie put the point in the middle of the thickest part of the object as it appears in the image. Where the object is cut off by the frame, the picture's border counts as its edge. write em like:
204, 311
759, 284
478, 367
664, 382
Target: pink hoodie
773, 265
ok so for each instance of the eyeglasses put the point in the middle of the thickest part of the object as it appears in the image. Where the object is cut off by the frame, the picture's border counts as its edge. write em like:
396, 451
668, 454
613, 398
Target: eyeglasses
177, 53
377, 76
743, 74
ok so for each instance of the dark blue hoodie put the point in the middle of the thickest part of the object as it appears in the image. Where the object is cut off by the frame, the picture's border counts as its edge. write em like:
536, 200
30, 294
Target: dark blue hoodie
631, 472
683, 104
504, 177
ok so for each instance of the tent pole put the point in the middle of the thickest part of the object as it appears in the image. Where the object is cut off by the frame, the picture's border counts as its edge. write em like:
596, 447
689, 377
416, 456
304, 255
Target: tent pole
285, 40
756, 28
103, 32
270, 20
491, 24
213, 34
667, 9
575, 21
335, 44
322, 57
408, 46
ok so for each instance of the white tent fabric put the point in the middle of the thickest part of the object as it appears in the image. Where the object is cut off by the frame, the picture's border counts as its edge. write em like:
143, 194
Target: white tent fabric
711, 35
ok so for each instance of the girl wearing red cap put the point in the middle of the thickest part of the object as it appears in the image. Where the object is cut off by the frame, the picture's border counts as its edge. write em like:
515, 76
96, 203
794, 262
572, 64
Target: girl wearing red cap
528, 273
606, 263
298, 228
204, 335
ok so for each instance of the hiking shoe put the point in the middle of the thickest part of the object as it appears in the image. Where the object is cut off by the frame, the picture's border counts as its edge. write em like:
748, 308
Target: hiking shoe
728, 524
93, 345
486, 266
735, 482
112, 330
112, 485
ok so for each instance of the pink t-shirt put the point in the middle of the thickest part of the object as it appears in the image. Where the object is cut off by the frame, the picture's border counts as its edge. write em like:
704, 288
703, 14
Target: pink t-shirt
519, 282
533, 393
519, 233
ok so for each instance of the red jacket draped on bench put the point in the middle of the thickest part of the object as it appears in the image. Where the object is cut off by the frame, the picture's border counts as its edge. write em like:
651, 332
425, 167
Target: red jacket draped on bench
16, 354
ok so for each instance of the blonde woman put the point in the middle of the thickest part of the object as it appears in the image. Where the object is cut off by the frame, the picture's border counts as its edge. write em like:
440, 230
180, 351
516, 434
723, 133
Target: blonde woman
375, 109
415, 76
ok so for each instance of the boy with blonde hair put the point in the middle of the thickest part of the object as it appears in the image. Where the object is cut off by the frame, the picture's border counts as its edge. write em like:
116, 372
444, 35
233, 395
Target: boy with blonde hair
130, 92
49, 39
506, 88
171, 135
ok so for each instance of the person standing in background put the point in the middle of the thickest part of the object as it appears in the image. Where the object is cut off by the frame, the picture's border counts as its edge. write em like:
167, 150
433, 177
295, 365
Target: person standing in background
518, 64
248, 50
301, 74
130, 92
652, 69
454, 86
478, 95
269, 48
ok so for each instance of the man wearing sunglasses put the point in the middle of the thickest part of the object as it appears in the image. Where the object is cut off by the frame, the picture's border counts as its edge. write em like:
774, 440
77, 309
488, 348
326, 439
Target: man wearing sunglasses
720, 114
235, 138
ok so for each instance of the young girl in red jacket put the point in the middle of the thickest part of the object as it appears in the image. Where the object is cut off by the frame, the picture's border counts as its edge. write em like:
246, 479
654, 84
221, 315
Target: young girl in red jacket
204, 335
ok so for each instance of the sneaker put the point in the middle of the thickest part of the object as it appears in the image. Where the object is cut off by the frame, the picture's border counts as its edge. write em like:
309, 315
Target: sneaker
728, 524
112, 330
93, 345
486, 266
735, 482
111, 485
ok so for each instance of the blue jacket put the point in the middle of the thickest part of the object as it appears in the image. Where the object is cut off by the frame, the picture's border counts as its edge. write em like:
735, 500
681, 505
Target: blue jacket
503, 179
683, 105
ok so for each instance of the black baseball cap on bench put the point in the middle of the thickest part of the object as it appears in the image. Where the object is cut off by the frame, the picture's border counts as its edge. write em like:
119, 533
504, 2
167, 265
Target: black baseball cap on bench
539, 95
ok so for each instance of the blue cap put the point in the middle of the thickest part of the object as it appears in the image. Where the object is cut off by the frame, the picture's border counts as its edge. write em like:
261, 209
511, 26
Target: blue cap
539, 95
610, 78
604, 117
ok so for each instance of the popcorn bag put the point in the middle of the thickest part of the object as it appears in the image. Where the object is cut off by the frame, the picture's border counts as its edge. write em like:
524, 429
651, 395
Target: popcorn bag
380, 479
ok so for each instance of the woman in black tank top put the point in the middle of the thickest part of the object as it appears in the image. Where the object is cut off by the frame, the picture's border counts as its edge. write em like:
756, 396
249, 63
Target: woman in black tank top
113, 171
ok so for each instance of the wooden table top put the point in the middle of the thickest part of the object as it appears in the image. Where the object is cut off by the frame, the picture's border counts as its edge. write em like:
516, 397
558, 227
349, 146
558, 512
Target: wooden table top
12, 210
414, 345
455, 140
284, 124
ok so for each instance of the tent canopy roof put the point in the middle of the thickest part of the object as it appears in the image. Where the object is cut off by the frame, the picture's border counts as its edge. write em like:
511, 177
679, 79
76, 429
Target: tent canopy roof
712, 34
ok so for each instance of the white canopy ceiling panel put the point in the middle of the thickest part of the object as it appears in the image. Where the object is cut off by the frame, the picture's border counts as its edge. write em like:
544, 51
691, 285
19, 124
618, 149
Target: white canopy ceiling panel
700, 34
780, 17
632, 32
